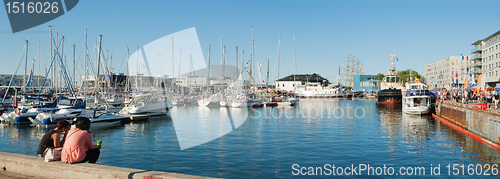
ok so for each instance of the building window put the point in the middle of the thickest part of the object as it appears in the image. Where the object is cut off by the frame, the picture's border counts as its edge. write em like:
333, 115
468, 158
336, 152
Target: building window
283, 85
496, 73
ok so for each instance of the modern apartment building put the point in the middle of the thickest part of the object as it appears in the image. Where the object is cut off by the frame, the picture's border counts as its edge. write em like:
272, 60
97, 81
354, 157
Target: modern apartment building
487, 59
448, 73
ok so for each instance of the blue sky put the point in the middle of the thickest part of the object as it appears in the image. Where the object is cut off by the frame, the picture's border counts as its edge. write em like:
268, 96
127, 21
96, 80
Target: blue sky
419, 32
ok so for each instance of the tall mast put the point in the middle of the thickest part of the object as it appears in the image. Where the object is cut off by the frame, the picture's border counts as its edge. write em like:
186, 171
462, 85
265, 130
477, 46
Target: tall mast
208, 72
267, 81
39, 87
294, 66
279, 47
85, 72
74, 77
252, 56
173, 65
179, 69
128, 75
221, 53
25, 67
97, 66
50, 40
237, 70
173, 70
137, 68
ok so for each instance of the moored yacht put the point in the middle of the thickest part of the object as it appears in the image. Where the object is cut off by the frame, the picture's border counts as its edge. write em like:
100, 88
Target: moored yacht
416, 98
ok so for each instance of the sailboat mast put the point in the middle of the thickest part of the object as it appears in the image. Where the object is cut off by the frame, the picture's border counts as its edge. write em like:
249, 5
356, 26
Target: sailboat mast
279, 47
294, 66
208, 72
74, 77
267, 80
127, 83
50, 39
137, 68
252, 56
39, 86
25, 67
85, 75
237, 70
173, 70
97, 66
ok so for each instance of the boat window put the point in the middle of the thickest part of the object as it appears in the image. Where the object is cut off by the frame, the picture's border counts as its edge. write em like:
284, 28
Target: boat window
393, 79
100, 113
397, 79
153, 99
65, 102
423, 102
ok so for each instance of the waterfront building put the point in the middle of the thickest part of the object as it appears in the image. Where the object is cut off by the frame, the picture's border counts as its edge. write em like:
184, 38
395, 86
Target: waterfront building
448, 73
487, 59
291, 82
366, 83
37, 81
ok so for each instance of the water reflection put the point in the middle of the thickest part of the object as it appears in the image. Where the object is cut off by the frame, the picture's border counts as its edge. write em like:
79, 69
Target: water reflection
196, 125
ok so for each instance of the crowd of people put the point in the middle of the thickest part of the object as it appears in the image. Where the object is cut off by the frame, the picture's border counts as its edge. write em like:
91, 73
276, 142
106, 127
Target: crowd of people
76, 145
490, 98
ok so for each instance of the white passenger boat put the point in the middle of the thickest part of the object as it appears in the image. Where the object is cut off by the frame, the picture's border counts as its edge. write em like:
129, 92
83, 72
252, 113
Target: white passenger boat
149, 104
416, 98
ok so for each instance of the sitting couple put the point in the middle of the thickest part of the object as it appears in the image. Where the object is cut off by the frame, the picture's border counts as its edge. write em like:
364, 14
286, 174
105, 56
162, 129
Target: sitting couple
76, 145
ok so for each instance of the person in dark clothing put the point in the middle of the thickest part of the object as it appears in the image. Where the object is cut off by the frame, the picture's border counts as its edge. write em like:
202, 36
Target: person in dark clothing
53, 137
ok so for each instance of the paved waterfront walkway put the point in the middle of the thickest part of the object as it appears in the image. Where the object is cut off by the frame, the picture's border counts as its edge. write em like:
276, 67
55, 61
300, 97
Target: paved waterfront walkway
24, 166
11, 175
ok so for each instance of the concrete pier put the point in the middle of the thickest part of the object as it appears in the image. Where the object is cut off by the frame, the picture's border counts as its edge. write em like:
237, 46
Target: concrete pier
485, 124
35, 167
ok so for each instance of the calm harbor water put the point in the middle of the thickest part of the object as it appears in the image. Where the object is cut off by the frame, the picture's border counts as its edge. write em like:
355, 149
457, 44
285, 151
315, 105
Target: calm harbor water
271, 140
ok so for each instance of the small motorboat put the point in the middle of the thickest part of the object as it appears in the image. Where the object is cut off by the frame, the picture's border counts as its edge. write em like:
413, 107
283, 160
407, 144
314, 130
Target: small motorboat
100, 118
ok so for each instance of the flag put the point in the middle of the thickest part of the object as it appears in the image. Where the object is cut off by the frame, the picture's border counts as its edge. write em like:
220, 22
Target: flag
462, 57
29, 81
397, 59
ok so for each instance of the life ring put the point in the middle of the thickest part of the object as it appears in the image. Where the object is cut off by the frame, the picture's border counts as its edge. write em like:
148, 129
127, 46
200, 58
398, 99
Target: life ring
17, 111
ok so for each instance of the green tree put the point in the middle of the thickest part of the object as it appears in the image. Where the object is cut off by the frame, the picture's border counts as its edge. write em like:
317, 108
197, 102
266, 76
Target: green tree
405, 75
380, 76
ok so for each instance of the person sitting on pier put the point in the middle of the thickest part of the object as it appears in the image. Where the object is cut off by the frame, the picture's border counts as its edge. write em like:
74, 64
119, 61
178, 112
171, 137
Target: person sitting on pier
53, 137
78, 147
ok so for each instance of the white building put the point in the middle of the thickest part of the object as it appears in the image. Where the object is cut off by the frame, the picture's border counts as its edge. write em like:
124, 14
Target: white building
487, 59
37, 81
191, 81
448, 73
291, 82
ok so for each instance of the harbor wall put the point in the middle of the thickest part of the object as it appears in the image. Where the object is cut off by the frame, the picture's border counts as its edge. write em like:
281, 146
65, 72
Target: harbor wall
485, 124
35, 166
